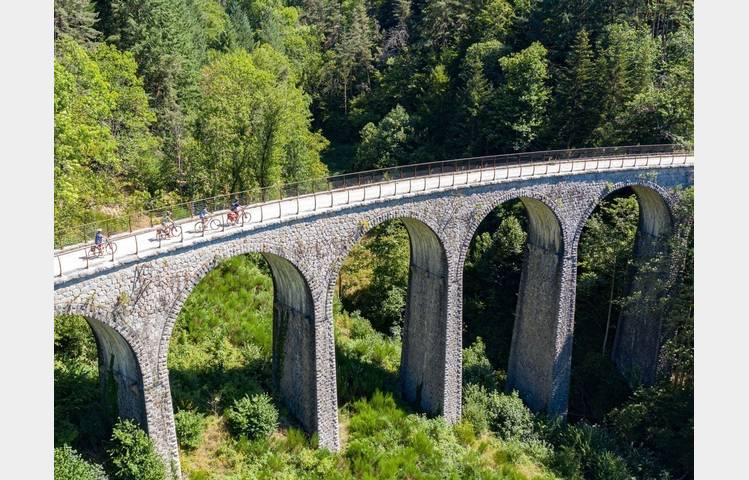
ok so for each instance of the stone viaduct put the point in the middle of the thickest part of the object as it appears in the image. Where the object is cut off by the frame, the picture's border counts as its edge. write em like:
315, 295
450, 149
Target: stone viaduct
132, 304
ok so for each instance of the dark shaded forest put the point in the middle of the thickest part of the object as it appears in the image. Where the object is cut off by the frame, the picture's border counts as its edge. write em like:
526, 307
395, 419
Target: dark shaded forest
164, 100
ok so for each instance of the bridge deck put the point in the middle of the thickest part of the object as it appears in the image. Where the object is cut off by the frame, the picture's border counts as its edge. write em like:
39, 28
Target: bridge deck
71, 262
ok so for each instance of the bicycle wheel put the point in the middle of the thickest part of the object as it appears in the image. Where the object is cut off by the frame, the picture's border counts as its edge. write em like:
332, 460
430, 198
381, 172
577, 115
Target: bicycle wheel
176, 230
111, 248
246, 217
198, 227
214, 224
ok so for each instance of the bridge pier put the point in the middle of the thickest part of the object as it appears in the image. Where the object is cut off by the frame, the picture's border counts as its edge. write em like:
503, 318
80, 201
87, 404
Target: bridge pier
423, 360
127, 380
638, 334
298, 365
541, 348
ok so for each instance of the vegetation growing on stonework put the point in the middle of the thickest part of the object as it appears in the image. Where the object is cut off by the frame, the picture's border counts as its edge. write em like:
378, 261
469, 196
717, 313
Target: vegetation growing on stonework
160, 101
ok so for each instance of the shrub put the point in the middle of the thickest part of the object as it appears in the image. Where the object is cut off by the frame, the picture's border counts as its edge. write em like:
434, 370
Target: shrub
132, 454
508, 417
190, 427
296, 440
607, 466
661, 420
587, 452
69, 465
199, 475
255, 416
476, 366
464, 433
475, 399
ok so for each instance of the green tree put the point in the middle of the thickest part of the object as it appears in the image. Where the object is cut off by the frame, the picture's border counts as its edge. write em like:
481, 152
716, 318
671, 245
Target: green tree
605, 254
374, 278
76, 19
255, 417
677, 106
396, 39
524, 96
214, 25
253, 125
352, 62
444, 22
106, 157
385, 145
492, 278
662, 110
605, 257
625, 70
138, 149
493, 19
475, 131
161, 36
577, 106
86, 159
242, 29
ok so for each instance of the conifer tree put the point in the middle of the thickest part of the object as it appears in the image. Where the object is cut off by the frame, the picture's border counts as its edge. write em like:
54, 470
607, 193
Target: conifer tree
160, 34
577, 109
77, 19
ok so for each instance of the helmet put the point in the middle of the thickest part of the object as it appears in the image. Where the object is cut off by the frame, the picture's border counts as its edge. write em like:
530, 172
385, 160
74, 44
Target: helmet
98, 230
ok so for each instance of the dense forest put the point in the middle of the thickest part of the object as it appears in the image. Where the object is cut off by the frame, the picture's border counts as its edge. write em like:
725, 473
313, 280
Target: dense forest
159, 101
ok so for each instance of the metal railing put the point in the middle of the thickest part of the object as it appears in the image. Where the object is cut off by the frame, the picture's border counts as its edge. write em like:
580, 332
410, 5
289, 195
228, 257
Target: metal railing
320, 192
188, 209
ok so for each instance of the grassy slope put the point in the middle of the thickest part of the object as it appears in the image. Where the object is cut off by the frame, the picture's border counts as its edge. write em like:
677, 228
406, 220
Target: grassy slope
221, 350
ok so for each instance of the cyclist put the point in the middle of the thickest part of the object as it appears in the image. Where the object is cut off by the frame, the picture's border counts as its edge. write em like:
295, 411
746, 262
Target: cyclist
203, 214
99, 239
166, 220
234, 213
165, 230
235, 205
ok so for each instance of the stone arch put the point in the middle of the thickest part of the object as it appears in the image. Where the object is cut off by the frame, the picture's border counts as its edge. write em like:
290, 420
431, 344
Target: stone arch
547, 215
423, 369
538, 362
118, 359
194, 277
638, 334
656, 208
293, 327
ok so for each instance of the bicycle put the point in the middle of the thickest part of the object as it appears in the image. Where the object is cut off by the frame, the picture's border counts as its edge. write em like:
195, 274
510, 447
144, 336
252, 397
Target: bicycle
210, 223
98, 250
168, 229
232, 218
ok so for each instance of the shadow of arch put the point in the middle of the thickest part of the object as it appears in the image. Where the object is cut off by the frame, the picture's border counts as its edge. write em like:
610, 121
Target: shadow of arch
118, 363
638, 337
294, 360
120, 375
423, 350
536, 366
294, 340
